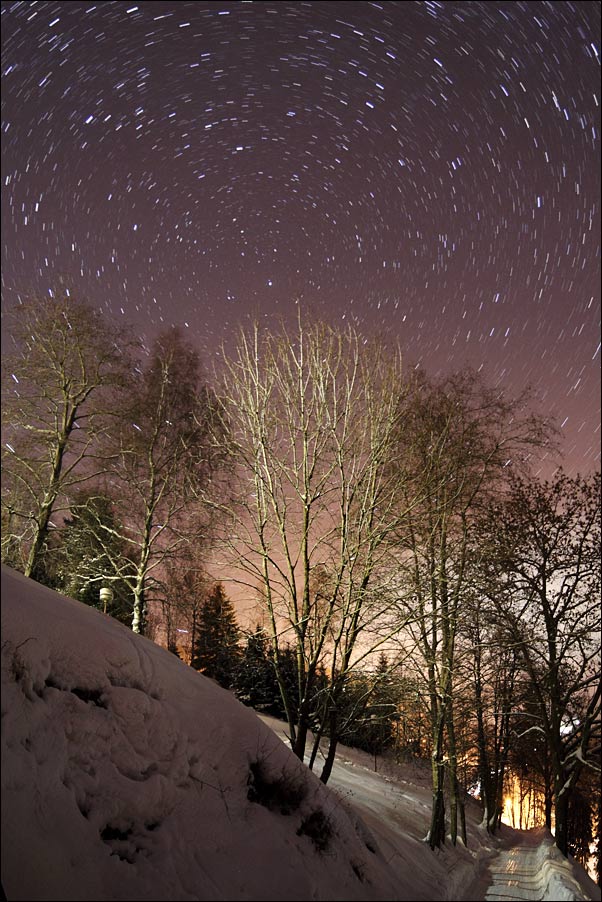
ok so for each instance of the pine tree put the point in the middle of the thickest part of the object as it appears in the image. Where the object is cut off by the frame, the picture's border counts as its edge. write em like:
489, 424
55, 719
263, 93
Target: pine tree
256, 684
352, 707
89, 556
216, 652
368, 708
382, 707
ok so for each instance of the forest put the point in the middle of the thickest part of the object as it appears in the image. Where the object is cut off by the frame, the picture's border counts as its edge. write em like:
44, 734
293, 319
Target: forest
416, 587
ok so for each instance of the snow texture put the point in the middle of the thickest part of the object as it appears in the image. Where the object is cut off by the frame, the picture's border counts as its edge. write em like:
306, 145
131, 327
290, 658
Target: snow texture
540, 872
126, 775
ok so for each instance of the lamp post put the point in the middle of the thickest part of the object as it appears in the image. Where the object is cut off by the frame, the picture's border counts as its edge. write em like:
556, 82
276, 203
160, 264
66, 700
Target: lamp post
106, 597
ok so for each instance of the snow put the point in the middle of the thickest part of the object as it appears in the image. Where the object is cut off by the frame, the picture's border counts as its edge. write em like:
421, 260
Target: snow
534, 870
127, 775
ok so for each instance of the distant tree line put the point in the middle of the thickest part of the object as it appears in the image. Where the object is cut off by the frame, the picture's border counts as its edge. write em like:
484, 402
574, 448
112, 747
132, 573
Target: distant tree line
420, 588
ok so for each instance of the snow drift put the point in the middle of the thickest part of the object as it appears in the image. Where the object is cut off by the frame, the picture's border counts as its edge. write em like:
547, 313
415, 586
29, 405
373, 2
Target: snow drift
127, 775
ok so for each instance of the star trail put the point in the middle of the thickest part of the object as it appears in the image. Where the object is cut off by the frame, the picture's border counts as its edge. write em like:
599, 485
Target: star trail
426, 170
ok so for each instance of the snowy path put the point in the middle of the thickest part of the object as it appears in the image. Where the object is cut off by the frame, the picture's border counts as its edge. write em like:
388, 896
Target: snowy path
532, 873
516, 875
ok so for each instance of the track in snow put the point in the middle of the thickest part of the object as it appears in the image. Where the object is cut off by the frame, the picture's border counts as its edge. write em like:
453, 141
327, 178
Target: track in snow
531, 873
516, 875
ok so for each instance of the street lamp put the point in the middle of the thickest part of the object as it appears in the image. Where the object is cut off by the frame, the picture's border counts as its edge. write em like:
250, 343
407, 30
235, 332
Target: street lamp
106, 597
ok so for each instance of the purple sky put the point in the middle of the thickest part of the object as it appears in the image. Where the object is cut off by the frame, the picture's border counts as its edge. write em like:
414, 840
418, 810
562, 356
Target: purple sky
425, 170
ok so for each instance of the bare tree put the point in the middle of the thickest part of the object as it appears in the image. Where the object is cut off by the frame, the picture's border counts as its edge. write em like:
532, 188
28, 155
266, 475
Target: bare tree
458, 439
168, 446
313, 413
547, 578
492, 667
185, 586
58, 388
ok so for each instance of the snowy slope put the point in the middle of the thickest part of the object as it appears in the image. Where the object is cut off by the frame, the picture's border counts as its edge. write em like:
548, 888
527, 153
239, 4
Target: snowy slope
126, 775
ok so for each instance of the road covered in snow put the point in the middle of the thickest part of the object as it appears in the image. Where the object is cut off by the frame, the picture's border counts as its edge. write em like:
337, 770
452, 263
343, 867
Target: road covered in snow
534, 870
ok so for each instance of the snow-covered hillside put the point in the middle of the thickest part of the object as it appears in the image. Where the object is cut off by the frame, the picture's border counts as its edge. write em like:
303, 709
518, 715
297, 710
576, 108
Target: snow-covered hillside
128, 776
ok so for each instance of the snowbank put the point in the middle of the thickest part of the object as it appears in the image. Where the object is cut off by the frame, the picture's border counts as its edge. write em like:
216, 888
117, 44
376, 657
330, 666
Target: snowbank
127, 775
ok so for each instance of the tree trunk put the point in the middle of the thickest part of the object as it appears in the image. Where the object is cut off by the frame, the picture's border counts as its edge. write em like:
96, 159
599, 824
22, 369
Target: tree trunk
456, 804
548, 802
332, 747
139, 611
41, 533
561, 811
316, 747
487, 788
50, 496
301, 736
501, 760
463, 832
436, 834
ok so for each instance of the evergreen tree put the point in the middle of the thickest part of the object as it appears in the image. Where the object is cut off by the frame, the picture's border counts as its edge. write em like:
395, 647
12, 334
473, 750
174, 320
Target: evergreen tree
255, 683
89, 556
216, 652
382, 708
352, 706
368, 709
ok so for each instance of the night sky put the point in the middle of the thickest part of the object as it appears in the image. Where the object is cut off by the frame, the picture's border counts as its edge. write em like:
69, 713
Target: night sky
429, 171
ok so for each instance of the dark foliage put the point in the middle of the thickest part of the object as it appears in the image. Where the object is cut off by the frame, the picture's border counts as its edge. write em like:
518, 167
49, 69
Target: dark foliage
216, 652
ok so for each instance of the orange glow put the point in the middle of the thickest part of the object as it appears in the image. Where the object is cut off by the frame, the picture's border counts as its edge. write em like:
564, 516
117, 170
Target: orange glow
523, 804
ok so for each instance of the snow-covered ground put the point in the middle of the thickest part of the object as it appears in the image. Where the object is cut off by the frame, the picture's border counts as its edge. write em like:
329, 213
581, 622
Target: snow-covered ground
128, 776
534, 870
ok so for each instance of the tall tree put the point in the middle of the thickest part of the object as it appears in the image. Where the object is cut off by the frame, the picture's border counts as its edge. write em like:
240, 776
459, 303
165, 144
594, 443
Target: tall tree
545, 542
313, 412
59, 386
216, 651
169, 444
580, 823
456, 442
184, 588
492, 668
